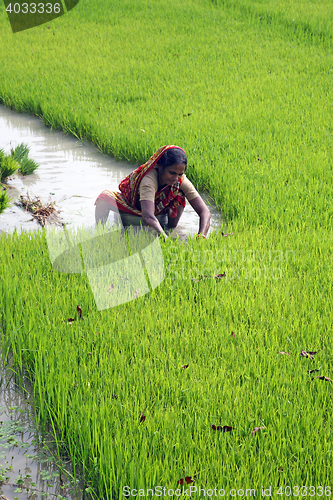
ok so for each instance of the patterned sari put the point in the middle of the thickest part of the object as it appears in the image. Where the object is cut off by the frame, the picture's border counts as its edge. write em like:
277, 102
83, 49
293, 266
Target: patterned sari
127, 200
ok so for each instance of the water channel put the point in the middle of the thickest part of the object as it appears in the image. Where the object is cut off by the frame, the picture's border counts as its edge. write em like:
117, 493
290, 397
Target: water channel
28, 470
71, 174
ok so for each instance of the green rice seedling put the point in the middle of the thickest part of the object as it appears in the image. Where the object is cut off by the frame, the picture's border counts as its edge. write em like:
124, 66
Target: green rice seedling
2, 156
20, 152
308, 21
8, 166
27, 166
4, 200
133, 392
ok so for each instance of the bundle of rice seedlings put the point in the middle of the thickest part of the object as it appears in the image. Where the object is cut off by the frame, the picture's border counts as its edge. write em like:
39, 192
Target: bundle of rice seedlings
20, 152
4, 200
27, 166
45, 213
2, 155
8, 166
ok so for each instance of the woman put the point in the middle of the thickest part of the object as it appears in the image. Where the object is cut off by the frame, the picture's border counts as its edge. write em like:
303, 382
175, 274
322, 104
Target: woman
154, 194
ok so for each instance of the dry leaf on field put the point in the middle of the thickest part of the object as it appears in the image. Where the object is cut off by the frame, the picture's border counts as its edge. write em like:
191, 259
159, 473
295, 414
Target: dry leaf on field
225, 428
142, 418
308, 354
220, 276
203, 277
321, 377
188, 480
287, 353
257, 429
79, 310
70, 321
184, 366
200, 278
110, 289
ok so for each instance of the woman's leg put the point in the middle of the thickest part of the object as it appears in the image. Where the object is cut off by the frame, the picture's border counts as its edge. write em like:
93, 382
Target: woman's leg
131, 220
173, 221
136, 220
102, 211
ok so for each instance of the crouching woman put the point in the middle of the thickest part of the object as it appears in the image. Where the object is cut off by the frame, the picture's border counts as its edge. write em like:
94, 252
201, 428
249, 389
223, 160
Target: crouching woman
154, 194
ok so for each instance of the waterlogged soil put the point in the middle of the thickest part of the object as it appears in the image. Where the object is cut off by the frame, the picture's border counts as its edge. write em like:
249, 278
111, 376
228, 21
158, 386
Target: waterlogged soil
71, 175
27, 470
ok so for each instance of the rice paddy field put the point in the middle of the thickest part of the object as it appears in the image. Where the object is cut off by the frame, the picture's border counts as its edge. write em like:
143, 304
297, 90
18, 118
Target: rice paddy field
221, 377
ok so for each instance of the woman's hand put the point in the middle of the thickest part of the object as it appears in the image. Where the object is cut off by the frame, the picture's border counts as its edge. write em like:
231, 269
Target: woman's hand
202, 210
147, 209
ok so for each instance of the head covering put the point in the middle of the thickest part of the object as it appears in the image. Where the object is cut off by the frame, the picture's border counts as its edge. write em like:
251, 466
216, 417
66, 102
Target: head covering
127, 200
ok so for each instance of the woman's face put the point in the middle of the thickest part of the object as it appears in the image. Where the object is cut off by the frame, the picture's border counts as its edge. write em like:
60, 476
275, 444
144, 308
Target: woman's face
171, 174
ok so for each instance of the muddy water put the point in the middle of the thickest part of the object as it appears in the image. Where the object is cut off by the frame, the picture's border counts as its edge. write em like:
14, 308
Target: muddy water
71, 174
22, 457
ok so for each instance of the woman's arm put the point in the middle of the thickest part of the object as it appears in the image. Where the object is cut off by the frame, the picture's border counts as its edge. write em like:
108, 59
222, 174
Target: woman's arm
147, 209
202, 210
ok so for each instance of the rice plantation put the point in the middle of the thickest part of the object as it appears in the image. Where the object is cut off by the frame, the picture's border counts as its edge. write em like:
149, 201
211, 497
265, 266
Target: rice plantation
221, 377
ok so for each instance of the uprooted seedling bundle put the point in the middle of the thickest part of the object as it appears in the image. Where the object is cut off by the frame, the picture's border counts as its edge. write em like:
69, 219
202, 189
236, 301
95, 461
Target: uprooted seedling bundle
45, 213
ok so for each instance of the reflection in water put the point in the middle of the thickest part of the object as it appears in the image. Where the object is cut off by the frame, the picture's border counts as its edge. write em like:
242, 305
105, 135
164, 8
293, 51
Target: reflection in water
71, 174
18, 445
